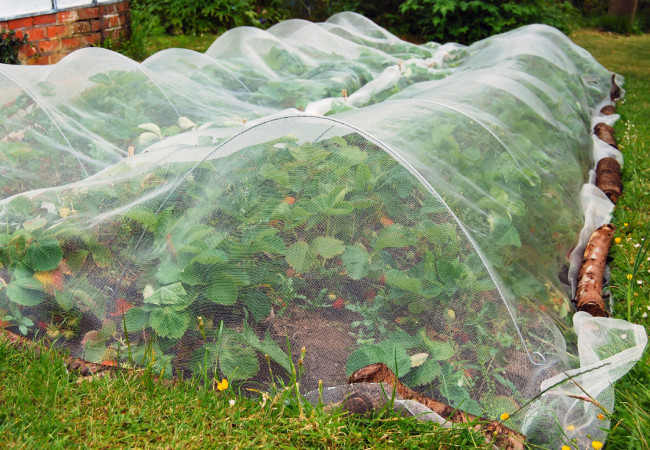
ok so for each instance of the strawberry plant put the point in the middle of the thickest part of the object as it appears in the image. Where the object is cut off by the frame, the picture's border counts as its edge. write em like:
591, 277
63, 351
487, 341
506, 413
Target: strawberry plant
271, 229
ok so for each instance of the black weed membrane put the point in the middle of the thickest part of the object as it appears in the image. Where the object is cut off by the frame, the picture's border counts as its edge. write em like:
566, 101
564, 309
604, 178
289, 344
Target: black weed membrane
326, 186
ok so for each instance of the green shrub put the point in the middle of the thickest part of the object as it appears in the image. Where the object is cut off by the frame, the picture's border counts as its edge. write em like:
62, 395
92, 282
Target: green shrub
467, 21
200, 16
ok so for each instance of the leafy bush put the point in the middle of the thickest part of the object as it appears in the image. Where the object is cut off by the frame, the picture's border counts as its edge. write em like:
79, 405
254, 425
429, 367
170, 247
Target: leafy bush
200, 16
9, 45
466, 21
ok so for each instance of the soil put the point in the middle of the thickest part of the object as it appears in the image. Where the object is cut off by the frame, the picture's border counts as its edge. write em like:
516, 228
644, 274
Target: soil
325, 336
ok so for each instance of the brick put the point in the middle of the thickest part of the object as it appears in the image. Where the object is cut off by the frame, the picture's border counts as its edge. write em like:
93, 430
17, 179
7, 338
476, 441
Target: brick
48, 46
36, 33
107, 9
68, 16
4, 26
95, 25
80, 27
44, 19
122, 6
20, 34
91, 39
56, 31
55, 58
21, 23
26, 51
88, 13
71, 43
111, 22
41, 60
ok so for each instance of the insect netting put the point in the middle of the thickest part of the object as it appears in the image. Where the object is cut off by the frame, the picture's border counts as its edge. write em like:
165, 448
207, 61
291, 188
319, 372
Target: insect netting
326, 186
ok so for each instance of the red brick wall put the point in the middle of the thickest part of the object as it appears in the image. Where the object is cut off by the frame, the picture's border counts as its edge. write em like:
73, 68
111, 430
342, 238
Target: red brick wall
52, 36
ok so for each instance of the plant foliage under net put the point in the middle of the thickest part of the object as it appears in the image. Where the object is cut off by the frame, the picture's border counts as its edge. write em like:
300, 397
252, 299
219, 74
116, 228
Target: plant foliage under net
326, 186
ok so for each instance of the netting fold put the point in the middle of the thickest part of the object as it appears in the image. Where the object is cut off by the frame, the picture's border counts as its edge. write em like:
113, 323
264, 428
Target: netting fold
326, 186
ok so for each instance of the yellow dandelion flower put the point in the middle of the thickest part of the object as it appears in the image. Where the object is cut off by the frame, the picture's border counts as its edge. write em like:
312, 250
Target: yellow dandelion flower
597, 445
505, 416
601, 416
566, 447
617, 240
625, 224
223, 385
629, 276
571, 428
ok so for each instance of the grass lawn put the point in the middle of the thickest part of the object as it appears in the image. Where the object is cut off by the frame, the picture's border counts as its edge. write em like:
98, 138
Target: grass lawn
44, 406
630, 284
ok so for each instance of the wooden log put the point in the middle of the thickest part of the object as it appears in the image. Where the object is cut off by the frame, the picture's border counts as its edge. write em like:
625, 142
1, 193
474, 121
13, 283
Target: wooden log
605, 133
615, 92
608, 110
608, 178
589, 293
499, 434
86, 369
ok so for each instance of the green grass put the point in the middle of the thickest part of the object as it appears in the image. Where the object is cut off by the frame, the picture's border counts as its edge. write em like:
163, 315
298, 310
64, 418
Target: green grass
196, 43
630, 57
43, 406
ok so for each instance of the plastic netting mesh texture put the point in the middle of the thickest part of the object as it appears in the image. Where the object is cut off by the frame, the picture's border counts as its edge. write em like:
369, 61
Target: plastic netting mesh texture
325, 186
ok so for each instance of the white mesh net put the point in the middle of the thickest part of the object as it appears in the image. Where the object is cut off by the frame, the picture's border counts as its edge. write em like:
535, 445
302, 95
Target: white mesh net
323, 185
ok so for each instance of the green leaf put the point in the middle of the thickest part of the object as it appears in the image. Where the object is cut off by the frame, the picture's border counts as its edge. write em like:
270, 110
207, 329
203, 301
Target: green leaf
356, 261
194, 274
136, 319
26, 292
400, 280
258, 303
85, 296
235, 360
424, 374
101, 254
210, 257
510, 237
363, 177
299, 257
385, 352
350, 156
93, 351
168, 273
223, 290
34, 224
264, 239
109, 328
65, 299
440, 351
395, 236
142, 215
328, 247
448, 272
75, 259
169, 323
171, 295
268, 346
44, 254
274, 174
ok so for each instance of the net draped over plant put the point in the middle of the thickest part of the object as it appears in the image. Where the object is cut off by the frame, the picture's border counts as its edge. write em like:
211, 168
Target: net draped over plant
326, 186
